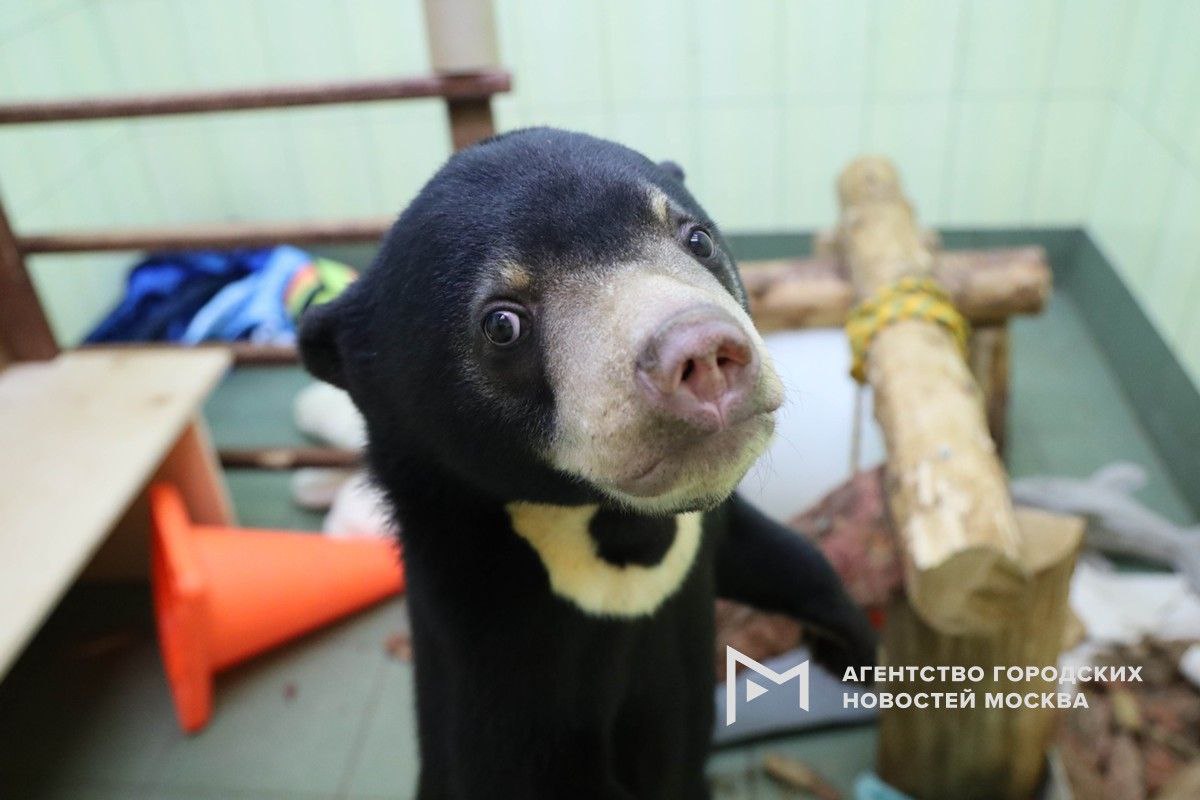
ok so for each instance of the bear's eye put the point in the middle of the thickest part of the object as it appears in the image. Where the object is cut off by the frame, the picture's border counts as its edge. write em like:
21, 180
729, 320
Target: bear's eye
502, 327
700, 243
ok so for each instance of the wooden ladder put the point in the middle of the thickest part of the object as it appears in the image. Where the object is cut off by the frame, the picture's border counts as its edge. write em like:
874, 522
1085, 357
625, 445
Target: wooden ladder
83, 432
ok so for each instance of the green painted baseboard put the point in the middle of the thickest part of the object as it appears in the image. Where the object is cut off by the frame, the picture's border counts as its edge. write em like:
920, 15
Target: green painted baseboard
1157, 384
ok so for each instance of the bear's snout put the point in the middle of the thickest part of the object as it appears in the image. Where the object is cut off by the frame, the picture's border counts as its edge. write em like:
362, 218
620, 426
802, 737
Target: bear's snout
663, 389
700, 368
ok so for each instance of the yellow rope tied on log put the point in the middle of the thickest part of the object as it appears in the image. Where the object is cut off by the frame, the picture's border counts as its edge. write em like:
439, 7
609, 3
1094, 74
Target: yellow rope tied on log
907, 298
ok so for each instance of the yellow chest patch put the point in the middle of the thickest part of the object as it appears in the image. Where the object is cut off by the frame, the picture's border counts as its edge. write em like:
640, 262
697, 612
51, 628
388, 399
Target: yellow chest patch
560, 537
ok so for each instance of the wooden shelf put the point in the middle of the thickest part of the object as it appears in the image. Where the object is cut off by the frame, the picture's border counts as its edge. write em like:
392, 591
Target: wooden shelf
80, 436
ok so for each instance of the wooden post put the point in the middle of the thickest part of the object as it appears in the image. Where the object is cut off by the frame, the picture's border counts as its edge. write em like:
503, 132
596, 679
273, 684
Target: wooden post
462, 41
982, 589
471, 121
989, 360
191, 466
946, 487
979, 752
25, 333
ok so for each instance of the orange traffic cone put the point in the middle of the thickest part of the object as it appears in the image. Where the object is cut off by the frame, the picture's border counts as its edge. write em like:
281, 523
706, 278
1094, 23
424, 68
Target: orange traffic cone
224, 594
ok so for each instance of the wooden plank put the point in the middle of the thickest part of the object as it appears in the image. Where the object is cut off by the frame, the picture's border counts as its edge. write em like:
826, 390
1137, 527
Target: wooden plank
193, 467
25, 333
79, 437
216, 235
245, 354
478, 85
287, 457
254, 354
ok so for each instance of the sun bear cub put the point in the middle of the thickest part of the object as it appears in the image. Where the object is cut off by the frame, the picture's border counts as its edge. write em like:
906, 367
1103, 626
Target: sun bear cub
562, 388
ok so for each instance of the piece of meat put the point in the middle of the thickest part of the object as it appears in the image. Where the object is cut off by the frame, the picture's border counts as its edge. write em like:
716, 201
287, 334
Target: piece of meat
852, 527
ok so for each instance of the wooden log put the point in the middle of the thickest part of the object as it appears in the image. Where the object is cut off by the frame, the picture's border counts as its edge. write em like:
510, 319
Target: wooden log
980, 752
987, 286
947, 490
825, 243
797, 293
462, 86
989, 360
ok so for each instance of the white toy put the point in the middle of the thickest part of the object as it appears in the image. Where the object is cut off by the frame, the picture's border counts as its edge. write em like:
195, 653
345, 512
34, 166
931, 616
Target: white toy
327, 414
1117, 522
814, 430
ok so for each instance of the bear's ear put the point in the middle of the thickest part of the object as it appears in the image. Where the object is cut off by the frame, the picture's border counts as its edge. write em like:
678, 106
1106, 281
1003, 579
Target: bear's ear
318, 343
672, 169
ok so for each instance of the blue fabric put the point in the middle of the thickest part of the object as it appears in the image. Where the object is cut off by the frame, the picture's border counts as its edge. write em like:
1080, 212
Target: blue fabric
198, 296
252, 307
166, 290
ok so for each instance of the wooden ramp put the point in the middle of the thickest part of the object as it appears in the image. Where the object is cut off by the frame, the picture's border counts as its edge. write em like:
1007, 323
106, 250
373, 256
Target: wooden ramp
80, 437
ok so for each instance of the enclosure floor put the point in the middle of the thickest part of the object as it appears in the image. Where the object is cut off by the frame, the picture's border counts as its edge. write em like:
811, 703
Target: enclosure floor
86, 715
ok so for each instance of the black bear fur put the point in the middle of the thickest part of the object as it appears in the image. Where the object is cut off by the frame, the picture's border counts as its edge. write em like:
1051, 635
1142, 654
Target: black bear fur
520, 693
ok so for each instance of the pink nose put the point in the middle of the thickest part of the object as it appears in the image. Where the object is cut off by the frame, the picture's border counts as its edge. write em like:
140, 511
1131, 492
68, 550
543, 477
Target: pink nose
699, 367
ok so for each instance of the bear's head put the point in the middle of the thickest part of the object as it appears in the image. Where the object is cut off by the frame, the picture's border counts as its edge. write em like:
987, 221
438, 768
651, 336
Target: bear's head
555, 319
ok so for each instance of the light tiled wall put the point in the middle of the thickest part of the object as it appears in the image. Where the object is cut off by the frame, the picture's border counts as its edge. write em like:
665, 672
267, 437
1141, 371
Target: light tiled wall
999, 112
763, 101
1146, 210
334, 161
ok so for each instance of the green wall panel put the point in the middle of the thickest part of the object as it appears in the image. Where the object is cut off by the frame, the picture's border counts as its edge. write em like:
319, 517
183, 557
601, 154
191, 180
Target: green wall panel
1030, 112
